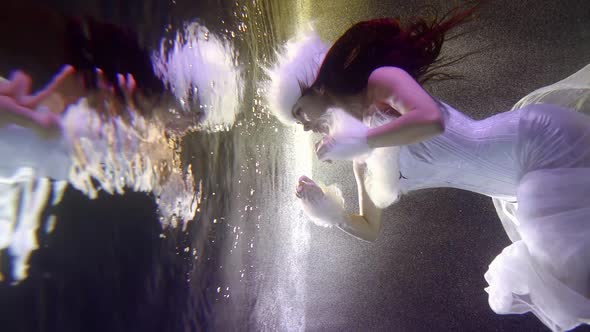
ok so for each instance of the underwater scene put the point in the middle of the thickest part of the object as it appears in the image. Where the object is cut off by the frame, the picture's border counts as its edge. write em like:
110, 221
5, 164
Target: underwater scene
294, 165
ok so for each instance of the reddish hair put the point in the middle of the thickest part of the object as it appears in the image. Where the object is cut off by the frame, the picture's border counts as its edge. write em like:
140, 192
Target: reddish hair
369, 45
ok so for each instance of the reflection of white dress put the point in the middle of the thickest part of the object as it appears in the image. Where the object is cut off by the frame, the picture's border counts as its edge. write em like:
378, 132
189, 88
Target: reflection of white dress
534, 161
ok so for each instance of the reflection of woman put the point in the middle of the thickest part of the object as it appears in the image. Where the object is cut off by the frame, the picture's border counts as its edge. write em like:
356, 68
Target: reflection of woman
34, 126
537, 155
35, 35
20, 106
41, 110
38, 39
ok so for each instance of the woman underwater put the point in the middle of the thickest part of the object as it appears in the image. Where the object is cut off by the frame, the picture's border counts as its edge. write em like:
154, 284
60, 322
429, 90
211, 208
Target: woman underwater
535, 157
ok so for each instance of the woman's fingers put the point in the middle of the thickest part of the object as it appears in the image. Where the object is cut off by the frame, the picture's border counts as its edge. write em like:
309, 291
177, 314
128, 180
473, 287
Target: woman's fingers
305, 179
308, 190
22, 84
302, 183
324, 147
8, 105
47, 119
302, 190
6, 87
34, 101
122, 82
131, 84
23, 115
108, 102
298, 192
127, 85
19, 101
319, 145
102, 83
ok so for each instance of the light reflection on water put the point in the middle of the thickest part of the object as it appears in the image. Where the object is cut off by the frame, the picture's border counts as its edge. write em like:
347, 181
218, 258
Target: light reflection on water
258, 240
95, 154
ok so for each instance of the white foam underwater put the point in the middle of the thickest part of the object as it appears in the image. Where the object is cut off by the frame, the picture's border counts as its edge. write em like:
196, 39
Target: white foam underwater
92, 153
201, 70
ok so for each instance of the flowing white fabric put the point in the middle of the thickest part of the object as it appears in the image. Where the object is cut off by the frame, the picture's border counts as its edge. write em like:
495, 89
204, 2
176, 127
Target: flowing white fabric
572, 92
547, 269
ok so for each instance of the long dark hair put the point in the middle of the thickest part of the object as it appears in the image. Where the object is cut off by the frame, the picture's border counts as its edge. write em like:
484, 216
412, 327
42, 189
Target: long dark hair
369, 45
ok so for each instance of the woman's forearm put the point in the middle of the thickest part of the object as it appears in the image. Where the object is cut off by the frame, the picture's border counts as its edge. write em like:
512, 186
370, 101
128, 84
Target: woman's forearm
410, 128
421, 117
367, 223
357, 226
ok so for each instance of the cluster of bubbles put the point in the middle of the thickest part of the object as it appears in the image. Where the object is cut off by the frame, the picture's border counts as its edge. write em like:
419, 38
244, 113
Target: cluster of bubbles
201, 70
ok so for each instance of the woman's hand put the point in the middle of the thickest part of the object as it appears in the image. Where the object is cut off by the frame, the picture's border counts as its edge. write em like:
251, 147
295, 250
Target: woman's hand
309, 191
44, 108
347, 137
342, 147
114, 100
18, 105
323, 208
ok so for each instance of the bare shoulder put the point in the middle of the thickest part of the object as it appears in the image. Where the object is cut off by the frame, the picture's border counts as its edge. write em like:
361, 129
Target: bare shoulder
388, 76
396, 88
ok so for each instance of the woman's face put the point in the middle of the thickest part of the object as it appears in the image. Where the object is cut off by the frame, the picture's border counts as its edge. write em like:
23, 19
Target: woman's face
308, 111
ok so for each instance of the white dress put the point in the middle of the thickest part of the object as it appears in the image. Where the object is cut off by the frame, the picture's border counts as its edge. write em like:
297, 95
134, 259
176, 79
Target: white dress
534, 161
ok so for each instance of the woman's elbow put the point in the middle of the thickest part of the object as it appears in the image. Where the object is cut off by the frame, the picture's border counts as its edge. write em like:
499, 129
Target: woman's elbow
439, 125
367, 236
370, 236
436, 122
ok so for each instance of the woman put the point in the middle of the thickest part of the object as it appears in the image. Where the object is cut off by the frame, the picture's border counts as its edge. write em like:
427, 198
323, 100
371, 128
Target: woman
33, 125
18, 105
85, 44
535, 155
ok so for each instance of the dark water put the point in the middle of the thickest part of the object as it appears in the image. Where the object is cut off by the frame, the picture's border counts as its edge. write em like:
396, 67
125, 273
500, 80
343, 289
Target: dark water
248, 261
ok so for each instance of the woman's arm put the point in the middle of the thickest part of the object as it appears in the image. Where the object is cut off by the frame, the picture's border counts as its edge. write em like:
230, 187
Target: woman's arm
19, 105
389, 87
326, 208
42, 110
420, 117
367, 223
